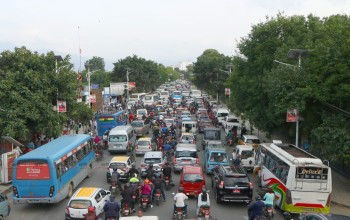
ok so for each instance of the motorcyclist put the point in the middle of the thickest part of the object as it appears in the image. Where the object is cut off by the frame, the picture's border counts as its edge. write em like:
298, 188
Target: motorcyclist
167, 148
237, 161
91, 215
269, 197
179, 199
127, 197
111, 208
155, 132
146, 189
150, 173
256, 209
132, 171
115, 178
167, 171
230, 135
158, 184
131, 117
203, 199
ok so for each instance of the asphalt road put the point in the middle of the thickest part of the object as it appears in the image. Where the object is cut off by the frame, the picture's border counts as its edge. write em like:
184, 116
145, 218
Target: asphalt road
236, 211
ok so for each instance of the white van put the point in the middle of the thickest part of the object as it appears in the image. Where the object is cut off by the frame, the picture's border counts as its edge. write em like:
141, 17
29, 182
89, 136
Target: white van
140, 218
247, 153
119, 138
150, 99
137, 97
221, 113
189, 127
164, 95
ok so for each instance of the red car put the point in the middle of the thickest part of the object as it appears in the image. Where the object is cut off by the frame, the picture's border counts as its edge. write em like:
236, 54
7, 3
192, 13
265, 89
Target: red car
192, 180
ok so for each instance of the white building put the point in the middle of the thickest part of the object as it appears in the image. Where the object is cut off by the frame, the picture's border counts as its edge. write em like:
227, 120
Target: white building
183, 65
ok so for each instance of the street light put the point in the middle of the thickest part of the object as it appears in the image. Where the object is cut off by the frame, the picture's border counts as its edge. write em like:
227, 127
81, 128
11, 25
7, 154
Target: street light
296, 54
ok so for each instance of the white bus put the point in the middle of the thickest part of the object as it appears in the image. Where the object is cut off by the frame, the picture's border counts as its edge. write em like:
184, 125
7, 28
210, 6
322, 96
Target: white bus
301, 181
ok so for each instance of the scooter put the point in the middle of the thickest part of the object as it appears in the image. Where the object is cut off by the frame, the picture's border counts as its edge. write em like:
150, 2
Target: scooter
126, 209
269, 212
135, 195
157, 196
98, 155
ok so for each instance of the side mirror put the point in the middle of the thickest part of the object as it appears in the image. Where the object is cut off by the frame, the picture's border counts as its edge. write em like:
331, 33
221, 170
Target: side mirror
108, 193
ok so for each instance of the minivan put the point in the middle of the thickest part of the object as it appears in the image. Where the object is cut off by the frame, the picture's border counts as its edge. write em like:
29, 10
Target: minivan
211, 134
221, 113
192, 180
119, 139
213, 158
247, 153
185, 154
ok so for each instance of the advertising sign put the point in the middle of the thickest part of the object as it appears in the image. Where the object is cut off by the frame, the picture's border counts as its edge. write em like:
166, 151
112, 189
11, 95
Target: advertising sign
292, 115
6, 166
62, 106
35, 170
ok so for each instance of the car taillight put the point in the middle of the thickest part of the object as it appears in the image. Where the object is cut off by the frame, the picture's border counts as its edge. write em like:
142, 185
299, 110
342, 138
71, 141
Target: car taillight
149, 146
197, 161
288, 197
251, 185
137, 146
15, 191
221, 185
328, 199
52, 189
143, 165
67, 211
174, 160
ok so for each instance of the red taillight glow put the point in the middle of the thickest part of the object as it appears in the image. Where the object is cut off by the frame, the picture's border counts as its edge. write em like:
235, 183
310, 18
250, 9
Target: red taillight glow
137, 146
197, 161
150, 147
174, 160
221, 185
251, 185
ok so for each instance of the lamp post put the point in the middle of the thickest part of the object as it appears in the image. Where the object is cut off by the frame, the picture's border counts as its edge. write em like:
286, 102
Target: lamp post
296, 54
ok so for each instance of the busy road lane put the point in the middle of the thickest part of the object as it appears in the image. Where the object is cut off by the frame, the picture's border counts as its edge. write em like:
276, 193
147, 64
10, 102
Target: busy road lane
236, 211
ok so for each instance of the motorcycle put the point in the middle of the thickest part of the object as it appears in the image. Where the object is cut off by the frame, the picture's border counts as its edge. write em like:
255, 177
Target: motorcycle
126, 209
204, 211
269, 212
98, 155
144, 202
167, 183
179, 213
135, 195
157, 196
113, 187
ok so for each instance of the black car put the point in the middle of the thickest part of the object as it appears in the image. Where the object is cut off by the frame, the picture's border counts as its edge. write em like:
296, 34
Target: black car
231, 184
319, 216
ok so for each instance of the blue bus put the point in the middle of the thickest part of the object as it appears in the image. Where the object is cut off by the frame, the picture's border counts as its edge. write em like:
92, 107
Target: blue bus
109, 121
49, 173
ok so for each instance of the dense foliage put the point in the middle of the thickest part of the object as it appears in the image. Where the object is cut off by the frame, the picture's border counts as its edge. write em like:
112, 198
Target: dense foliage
147, 74
30, 89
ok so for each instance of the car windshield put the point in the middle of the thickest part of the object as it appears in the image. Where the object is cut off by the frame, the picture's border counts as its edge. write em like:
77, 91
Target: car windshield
236, 181
212, 135
79, 204
148, 97
246, 154
141, 112
143, 143
218, 157
193, 178
152, 160
253, 141
192, 154
117, 165
187, 137
233, 120
222, 114
117, 138
137, 124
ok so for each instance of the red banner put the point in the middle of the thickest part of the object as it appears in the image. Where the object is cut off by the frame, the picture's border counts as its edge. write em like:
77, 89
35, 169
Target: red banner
292, 115
33, 171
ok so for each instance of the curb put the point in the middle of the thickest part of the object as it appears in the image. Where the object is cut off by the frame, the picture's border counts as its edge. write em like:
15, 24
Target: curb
340, 204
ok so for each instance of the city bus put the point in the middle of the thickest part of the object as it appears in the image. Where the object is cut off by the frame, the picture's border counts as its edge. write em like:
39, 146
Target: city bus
109, 121
50, 173
301, 181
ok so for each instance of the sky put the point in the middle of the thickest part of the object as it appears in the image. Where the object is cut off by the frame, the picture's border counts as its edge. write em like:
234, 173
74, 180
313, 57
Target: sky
165, 31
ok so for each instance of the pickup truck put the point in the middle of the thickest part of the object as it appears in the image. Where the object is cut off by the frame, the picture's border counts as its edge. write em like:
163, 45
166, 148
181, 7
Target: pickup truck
140, 127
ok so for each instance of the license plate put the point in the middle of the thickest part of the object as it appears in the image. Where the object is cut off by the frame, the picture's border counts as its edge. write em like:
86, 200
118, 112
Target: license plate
134, 197
308, 209
236, 191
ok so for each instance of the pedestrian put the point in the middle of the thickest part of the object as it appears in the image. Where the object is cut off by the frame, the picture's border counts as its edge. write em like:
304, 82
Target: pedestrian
111, 208
76, 128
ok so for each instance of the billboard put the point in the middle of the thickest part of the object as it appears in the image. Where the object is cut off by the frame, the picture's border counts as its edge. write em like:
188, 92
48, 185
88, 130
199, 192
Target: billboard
292, 115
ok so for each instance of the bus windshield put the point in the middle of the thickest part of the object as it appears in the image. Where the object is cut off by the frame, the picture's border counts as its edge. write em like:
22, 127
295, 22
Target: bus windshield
33, 170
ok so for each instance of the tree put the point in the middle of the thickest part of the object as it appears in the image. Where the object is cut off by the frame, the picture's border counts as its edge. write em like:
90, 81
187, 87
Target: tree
30, 89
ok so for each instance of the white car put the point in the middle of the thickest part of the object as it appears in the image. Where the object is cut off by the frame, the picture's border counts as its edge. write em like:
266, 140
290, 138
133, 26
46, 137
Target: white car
83, 198
130, 104
140, 112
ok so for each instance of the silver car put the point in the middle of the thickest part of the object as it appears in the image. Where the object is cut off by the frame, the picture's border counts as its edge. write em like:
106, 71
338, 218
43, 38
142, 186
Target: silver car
185, 154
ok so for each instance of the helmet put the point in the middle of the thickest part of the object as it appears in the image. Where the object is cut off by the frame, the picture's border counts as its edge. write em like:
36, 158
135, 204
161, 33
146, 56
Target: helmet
258, 198
204, 190
133, 165
150, 166
166, 163
147, 181
91, 209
